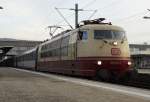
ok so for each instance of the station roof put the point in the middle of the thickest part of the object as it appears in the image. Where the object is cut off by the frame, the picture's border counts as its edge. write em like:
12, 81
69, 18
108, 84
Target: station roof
5, 49
141, 46
140, 55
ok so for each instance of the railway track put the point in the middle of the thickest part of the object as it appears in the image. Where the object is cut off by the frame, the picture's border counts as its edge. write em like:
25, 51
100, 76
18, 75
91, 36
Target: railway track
137, 84
141, 81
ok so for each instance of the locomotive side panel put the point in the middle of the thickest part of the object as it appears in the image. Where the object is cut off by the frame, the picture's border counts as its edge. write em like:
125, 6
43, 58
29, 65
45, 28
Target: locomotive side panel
62, 60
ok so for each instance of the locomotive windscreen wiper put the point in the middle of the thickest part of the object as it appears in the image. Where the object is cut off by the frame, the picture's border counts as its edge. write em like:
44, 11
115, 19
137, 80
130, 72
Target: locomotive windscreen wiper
105, 41
122, 40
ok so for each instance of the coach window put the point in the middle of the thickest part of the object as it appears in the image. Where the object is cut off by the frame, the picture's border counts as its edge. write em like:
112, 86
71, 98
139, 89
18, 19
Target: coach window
102, 34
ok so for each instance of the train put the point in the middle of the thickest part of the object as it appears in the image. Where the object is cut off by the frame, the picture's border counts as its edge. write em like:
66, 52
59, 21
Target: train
94, 49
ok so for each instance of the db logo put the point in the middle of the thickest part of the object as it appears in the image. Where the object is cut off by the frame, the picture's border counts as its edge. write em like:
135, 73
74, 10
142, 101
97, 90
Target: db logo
115, 51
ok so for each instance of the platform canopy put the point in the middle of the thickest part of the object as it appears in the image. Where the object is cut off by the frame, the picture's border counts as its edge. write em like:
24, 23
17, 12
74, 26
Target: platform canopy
4, 50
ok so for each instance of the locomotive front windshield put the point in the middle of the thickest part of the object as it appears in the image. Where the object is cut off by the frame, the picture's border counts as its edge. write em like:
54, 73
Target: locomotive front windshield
109, 34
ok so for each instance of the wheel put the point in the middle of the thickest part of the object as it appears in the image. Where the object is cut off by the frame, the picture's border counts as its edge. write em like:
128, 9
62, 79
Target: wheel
129, 76
133, 74
104, 75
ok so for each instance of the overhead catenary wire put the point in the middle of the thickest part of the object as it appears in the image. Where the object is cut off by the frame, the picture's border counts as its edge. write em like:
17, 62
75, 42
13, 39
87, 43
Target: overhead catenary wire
92, 14
93, 1
94, 11
53, 4
51, 9
111, 4
64, 18
89, 4
1, 7
86, 5
147, 17
131, 16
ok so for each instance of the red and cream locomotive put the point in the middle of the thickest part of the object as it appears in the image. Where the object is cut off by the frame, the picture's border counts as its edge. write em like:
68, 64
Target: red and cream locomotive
94, 49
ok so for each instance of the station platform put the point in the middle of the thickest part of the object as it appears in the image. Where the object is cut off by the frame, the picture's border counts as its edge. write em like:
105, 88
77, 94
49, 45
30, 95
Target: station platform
17, 85
144, 71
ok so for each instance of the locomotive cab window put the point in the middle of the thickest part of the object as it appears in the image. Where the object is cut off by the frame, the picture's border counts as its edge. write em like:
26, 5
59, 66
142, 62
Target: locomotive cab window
109, 34
83, 35
119, 35
102, 34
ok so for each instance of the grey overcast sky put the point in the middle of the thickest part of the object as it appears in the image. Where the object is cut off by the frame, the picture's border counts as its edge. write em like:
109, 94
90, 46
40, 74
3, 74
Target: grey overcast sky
28, 19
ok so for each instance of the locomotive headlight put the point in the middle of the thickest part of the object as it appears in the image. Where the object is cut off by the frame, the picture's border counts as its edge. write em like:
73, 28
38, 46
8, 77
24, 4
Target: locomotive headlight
129, 63
99, 62
115, 43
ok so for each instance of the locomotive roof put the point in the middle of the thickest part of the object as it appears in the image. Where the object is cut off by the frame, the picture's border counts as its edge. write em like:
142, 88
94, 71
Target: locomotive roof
86, 27
101, 27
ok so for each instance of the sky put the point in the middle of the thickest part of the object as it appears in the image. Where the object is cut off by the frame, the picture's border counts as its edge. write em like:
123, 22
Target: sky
29, 19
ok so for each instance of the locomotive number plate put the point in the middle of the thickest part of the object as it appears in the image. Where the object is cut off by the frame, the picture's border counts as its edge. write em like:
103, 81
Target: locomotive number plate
115, 51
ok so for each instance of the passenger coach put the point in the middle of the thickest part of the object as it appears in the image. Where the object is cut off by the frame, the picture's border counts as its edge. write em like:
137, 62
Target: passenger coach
27, 60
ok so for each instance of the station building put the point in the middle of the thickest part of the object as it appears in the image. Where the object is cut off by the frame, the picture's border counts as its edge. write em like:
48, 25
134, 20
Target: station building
140, 54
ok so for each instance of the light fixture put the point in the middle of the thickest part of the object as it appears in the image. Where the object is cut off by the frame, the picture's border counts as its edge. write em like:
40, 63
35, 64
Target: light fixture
99, 62
129, 63
115, 43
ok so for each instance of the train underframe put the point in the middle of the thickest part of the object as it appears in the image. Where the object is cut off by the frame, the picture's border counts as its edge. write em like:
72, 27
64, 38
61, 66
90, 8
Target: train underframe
103, 69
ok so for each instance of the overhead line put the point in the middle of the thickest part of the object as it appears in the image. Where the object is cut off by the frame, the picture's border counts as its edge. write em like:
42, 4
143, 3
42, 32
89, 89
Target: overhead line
90, 3
92, 14
64, 18
102, 7
81, 8
109, 5
129, 17
51, 9
54, 3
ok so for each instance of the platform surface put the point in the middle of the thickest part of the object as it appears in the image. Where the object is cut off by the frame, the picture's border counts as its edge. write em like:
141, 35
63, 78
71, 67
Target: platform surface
26, 86
144, 71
